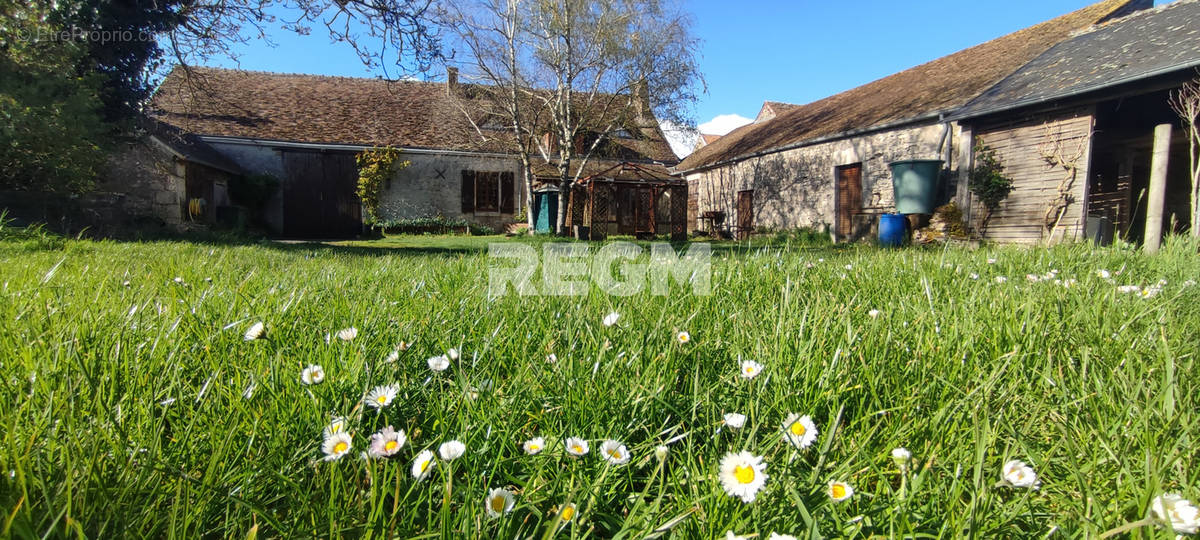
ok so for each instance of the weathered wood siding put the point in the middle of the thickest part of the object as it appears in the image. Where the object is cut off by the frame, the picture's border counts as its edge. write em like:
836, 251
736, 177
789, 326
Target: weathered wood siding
1028, 150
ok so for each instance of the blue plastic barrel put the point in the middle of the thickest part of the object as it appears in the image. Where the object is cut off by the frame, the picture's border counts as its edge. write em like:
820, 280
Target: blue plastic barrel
892, 230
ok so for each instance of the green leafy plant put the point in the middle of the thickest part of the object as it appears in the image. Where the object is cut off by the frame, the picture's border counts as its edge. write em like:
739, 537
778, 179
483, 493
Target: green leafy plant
375, 167
987, 180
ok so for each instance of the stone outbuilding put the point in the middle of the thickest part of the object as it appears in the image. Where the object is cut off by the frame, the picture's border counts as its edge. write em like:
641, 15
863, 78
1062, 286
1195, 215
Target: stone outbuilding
305, 130
824, 165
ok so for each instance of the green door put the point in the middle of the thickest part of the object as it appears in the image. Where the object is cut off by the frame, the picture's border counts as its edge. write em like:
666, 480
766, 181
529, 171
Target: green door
546, 205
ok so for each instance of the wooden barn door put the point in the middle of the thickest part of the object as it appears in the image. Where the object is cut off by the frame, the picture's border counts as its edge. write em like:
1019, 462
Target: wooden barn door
319, 199
849, 198
745, 214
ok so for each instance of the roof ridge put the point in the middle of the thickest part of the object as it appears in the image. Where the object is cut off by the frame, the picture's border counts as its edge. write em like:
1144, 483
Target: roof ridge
1130, 16
924, 77
281, 74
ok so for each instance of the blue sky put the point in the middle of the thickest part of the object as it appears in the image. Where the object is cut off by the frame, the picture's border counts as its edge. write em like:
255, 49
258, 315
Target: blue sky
795, 51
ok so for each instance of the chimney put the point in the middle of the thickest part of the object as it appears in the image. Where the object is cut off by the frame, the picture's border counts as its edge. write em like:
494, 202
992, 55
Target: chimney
641, 98
451, 80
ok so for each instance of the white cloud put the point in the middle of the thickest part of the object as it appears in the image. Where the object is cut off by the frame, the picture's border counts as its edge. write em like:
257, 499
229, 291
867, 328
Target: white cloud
723, 124
682, 139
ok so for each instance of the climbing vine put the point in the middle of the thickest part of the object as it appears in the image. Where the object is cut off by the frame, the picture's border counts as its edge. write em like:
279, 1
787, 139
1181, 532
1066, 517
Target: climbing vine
987, 180
375, 167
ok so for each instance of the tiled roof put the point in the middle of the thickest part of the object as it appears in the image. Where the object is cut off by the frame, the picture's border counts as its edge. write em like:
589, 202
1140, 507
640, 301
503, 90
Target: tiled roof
1148, 43
940, 86
343, 110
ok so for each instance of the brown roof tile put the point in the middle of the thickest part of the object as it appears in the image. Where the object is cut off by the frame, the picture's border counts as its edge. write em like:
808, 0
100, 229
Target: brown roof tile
936, 87
342, 110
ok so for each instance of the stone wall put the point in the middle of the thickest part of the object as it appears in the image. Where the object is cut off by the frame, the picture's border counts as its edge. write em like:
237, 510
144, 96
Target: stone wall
432, 186
796, 188
151, 184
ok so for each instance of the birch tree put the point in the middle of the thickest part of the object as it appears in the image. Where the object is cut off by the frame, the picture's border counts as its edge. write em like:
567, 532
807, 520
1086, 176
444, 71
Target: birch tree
600, 60
568, 75
1186, 103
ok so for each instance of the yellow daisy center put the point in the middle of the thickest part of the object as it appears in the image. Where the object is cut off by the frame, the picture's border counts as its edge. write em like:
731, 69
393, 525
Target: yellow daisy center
340, 447
749, 369
744, 474
568, 513
381, 399
497, 503
424, 465
616, 454
390, 445
534, 448
798, 429
577, 449
838, 491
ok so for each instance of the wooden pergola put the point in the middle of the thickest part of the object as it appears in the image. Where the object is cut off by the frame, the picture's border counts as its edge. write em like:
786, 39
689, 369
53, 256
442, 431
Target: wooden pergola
628, 199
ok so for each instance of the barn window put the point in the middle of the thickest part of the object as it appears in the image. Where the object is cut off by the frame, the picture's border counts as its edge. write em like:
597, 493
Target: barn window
487, 192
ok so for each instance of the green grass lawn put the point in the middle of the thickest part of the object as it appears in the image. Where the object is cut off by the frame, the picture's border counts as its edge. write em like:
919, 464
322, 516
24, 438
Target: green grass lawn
132, 406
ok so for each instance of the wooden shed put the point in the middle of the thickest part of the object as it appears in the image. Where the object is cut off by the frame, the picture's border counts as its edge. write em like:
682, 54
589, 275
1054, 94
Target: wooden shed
633, 199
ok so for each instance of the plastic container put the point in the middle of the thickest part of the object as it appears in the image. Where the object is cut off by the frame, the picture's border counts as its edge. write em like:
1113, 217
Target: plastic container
915, 183
893, 230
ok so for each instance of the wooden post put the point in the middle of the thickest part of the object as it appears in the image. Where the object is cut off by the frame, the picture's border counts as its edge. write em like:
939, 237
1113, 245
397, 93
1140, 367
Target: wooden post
1157, 198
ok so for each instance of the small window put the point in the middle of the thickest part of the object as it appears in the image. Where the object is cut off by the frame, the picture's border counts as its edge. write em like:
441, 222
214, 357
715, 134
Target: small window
487, 192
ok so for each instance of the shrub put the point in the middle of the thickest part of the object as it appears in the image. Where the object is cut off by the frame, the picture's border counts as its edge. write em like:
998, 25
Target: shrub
987, 180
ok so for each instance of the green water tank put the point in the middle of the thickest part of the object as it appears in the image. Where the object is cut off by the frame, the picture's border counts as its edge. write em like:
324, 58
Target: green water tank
915, 183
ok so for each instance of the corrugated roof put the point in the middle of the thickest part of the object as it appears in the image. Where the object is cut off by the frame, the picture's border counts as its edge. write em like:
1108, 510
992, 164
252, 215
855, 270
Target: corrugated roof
937, 87
1145, 44
346, 110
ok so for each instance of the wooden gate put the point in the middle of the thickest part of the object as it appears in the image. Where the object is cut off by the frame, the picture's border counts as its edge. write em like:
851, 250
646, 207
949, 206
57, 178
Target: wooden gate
319, 199
849, 198
745, 214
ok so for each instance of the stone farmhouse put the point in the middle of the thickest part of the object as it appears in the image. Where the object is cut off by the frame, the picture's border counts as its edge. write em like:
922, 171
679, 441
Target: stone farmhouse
305, 130
825, 164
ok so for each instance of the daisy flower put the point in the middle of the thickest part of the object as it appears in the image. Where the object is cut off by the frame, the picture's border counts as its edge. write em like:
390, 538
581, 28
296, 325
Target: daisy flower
1150, 292
337, 445
743, 475
576, 446
387, 442
874, 313
499, 502
337, 425
800, 430
347, 334
614, 452
1129, 289
735, 420
423, 465
452, 354
991, 261
683, 338
438, 363
611, 318
839, 491
534, 446
973, 275
1001, 279
750, 369
901, 457
254, 332
776, 536
1103, 274
382, 396
729, 535
661, 452
567, 513
551, 358
451, 450
392, 357
1018, 474
1176, 512
313, 374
